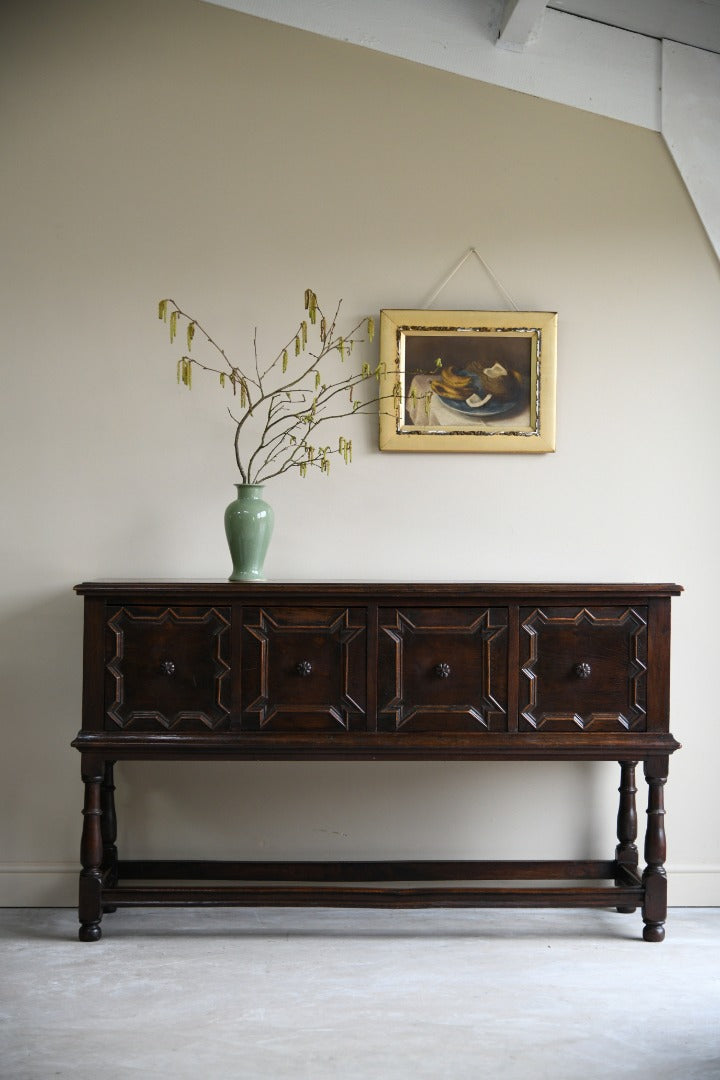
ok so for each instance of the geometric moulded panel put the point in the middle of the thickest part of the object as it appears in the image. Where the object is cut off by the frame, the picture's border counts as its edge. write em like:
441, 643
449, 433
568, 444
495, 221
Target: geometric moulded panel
583, 669
167, 668
442, 670
304, 669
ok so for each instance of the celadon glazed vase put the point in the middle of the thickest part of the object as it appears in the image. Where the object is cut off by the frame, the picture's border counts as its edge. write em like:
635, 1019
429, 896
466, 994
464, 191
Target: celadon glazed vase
248, 527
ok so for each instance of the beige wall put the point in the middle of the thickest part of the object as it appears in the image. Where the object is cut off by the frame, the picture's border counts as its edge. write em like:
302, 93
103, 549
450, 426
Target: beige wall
174, 148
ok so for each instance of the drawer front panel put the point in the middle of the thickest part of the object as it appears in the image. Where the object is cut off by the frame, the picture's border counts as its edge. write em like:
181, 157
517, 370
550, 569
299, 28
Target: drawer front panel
167, 668
583, 669
442, 670
304, 669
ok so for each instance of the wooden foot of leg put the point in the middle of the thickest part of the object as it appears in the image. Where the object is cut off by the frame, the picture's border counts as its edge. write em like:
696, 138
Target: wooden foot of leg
654, 931
89, 932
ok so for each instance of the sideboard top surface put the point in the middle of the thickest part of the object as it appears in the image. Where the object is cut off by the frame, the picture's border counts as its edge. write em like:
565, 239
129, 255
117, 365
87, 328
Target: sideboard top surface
373, 590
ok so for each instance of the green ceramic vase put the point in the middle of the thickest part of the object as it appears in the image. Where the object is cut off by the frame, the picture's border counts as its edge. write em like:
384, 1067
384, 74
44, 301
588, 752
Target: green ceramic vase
248, 527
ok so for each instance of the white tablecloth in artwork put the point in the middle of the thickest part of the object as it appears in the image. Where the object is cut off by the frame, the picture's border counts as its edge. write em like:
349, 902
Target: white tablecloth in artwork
441, 415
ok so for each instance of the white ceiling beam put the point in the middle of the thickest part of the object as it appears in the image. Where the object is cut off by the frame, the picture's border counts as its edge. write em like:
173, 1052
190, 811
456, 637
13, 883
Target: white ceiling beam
520, 23
691, 126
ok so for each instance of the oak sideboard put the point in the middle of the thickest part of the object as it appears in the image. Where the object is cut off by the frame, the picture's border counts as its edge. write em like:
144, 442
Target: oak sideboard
201, 670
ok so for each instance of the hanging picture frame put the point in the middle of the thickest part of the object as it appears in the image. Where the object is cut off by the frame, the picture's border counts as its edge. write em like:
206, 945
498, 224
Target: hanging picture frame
468, 381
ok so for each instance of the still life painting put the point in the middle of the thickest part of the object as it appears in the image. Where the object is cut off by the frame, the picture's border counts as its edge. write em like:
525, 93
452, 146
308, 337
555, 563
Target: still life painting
468, 380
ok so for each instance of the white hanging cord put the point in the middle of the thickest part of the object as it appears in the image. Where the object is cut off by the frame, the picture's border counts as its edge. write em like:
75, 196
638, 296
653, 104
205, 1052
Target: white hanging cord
453, 272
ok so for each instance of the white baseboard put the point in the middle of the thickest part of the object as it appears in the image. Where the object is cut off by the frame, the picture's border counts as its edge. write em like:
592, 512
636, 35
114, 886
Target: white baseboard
38, 884
693, 886
56, 885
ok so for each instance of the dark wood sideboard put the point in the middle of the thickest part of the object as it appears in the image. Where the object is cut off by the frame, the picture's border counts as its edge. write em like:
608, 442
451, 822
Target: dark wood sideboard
466, 672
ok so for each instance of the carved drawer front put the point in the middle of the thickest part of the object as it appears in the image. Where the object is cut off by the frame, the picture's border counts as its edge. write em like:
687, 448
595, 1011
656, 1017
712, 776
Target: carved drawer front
304, 669
167, 668
583, 669
442, 670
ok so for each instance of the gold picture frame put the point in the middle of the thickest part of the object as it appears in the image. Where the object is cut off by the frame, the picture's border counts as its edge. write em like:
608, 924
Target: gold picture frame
468, 381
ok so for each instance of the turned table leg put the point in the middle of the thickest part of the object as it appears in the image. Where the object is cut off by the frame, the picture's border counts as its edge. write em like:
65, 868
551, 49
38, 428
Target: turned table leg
654, 909
108, 827
91, 852
626, 852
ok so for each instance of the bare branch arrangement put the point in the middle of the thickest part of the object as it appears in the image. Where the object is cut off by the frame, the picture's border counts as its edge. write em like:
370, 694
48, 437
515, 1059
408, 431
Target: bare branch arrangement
277, 408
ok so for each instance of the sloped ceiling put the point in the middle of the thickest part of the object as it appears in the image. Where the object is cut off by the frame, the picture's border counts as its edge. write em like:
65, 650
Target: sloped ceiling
687, 22
654, 63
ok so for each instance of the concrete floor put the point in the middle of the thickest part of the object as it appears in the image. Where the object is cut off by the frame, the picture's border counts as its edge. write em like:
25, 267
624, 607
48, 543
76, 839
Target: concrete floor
326, 994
